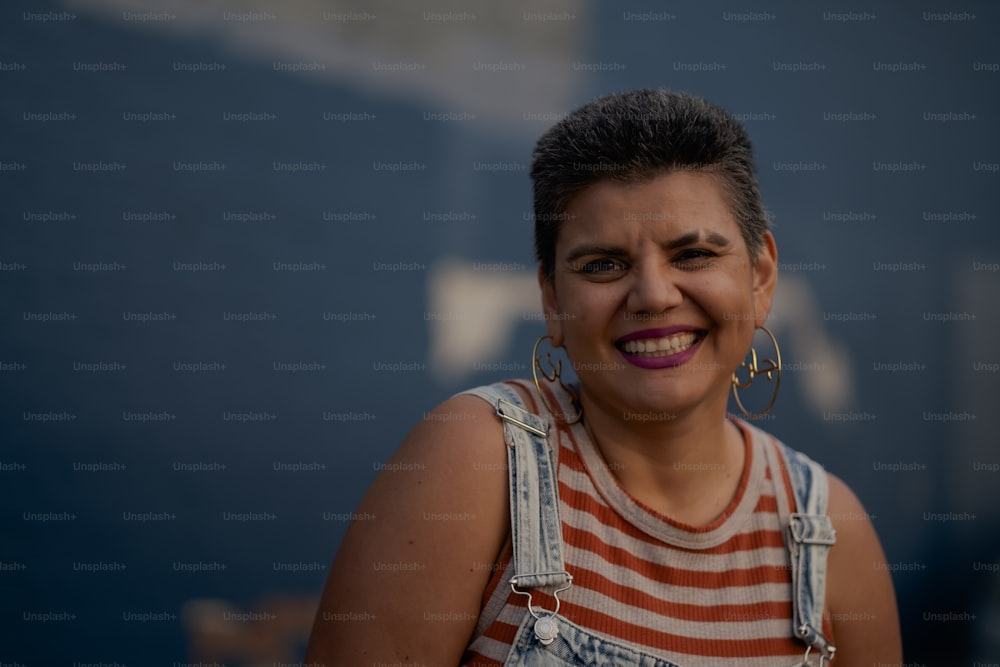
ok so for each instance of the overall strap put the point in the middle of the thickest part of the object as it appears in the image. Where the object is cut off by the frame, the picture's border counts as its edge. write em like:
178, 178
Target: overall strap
810, 536
536, 530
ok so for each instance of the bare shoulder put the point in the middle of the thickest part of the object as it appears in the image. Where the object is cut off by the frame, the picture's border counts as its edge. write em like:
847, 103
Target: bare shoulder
860, 595
407, 582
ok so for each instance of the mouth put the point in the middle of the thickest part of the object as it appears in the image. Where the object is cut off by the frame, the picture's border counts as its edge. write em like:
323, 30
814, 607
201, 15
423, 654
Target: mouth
660, 348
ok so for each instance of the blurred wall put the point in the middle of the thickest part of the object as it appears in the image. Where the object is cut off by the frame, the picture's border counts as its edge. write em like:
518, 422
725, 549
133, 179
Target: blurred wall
245, 246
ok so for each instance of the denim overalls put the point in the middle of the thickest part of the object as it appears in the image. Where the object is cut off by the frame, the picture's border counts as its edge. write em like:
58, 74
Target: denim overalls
544, 638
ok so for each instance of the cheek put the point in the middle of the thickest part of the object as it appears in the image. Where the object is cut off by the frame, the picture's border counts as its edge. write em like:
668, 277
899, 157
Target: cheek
735, 314
727, 295
591, 316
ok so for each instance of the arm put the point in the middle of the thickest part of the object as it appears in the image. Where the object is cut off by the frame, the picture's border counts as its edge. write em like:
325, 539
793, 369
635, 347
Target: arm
415, 573
860, 596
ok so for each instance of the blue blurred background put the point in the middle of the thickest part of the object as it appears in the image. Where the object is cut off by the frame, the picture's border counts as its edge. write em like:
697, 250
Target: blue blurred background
244, 247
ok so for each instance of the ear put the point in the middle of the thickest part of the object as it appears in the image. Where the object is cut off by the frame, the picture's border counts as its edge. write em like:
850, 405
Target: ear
765, 279
550, 307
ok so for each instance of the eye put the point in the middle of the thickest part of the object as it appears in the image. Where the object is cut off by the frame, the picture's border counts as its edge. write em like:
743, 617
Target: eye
602, 265
692, 259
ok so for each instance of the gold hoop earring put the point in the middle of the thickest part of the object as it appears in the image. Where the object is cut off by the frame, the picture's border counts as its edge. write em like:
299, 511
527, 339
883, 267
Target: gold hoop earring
554, 375
771, 368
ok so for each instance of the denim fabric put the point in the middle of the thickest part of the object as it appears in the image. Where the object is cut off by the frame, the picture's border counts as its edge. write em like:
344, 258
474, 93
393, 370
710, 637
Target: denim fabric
536, 534
810, 536
534, 495
574, 646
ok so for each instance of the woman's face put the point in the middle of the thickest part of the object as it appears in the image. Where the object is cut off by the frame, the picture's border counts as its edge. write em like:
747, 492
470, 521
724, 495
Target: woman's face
654, 294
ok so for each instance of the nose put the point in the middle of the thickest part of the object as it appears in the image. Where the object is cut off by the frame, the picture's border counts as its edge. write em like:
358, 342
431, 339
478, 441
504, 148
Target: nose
654, 288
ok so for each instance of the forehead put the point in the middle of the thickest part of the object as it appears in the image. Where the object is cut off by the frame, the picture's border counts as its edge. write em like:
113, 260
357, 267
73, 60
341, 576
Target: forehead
670, 204
679, 199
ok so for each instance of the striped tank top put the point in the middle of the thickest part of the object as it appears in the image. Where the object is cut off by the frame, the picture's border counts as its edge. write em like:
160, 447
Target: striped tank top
717, 595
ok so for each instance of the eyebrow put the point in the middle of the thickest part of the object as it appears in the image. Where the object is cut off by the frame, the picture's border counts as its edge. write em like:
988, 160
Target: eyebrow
714, 238
690, 238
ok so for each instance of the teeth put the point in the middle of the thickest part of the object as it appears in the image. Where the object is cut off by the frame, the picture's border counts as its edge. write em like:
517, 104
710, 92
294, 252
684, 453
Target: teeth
659, 347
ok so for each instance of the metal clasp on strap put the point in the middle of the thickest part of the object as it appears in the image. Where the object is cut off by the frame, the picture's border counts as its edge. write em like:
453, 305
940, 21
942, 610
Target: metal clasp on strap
825, 658
514, 420
546, 629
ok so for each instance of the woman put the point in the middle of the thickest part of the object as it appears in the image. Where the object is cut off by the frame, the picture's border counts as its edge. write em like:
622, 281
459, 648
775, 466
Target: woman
629, 520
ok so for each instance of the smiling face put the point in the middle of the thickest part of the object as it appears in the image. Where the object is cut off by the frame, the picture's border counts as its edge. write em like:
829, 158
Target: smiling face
654, 294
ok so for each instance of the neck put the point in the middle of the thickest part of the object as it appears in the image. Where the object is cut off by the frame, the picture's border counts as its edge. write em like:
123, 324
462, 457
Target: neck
687, 468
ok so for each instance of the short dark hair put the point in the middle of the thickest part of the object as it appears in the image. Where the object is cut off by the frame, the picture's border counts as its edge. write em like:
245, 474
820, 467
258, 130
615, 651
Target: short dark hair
633, 137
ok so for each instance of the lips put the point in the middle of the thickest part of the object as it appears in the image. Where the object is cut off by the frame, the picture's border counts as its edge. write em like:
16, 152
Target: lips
660, 348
